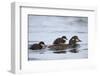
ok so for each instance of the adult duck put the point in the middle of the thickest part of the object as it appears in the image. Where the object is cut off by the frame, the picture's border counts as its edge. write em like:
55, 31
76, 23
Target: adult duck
72, 43
38, 46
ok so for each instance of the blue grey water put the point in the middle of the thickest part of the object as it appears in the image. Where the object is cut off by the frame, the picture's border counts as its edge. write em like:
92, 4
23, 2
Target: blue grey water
48, 28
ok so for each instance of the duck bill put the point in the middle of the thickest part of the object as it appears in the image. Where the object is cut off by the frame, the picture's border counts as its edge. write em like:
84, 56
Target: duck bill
78, 40
65, 39
44, 46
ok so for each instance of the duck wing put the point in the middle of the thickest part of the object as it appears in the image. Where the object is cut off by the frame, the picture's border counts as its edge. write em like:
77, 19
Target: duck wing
58, 47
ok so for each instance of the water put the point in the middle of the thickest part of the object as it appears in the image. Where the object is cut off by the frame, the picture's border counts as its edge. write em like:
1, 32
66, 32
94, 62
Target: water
48, 28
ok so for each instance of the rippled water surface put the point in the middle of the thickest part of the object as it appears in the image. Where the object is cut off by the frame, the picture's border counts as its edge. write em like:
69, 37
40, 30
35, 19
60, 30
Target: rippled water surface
48, 28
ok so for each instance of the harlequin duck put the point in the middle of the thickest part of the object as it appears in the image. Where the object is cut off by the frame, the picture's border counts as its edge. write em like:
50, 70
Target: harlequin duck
38, 46
60, 40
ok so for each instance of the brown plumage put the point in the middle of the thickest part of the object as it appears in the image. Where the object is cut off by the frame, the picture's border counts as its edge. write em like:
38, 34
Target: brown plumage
58, 46
73, 41
60, 40
72, 44
38, 46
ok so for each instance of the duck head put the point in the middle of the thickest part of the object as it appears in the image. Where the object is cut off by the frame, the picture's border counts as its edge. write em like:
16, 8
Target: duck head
74, 40
64, 38
42, 44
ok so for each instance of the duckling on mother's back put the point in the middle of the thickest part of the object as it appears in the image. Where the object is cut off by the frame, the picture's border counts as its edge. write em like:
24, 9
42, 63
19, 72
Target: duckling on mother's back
60, 40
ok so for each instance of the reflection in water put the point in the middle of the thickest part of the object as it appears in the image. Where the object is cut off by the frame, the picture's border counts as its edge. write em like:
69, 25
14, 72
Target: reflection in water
59, 52
74, 50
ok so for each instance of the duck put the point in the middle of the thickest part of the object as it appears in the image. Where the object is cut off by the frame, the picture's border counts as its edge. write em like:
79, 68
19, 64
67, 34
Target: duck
38, 46
73, 41
62, 46
60, 40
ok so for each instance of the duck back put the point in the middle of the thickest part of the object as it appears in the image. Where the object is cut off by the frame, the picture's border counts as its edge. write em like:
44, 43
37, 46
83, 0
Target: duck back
58, 47
36, 47
58, 41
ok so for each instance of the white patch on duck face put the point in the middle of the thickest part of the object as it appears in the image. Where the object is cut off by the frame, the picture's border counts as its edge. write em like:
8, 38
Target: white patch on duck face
64, 39
43, 45
77, 39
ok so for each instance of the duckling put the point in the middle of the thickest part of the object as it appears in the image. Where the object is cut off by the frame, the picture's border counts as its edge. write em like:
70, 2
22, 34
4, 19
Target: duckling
38, 46
60, 40
73, 41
